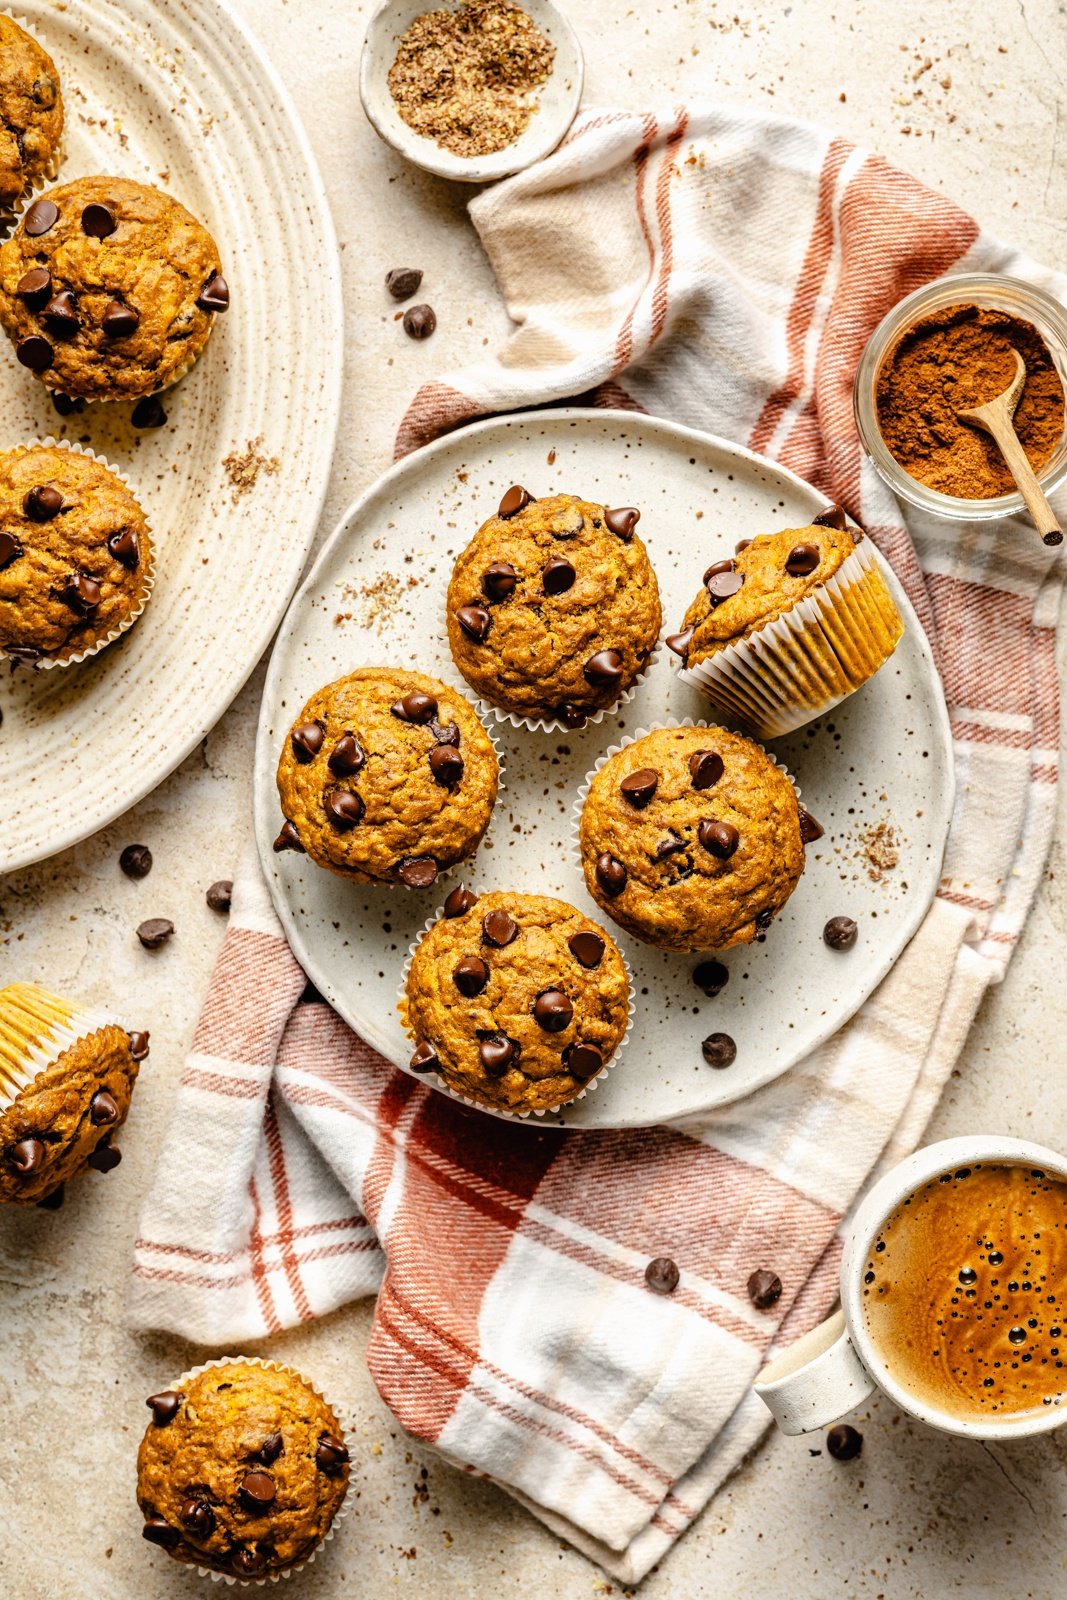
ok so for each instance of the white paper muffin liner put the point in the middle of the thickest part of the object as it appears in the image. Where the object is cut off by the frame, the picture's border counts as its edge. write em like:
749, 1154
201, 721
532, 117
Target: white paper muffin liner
497, 1111
148, 566
794, 669
36, 1027
9, 215
344, 1418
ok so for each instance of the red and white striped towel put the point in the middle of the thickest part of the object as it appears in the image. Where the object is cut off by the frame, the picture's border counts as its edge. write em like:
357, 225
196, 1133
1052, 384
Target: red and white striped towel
727, 268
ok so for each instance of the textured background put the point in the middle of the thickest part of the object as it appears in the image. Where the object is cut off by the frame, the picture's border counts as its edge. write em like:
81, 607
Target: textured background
971, 99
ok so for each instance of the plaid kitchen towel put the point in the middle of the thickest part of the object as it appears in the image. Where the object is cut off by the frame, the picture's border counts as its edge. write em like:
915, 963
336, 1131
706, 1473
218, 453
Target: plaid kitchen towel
723, 269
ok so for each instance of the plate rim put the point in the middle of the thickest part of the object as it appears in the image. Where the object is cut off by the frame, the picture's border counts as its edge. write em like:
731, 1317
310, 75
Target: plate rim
263, 767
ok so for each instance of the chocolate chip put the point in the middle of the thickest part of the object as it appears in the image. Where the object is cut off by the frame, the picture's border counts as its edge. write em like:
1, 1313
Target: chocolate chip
26, 1156
34, 352
330, 1453
148, 413
41, 216
403, 282
154, 933
802, 559
125, 548
712, 977
840, 933
764, 1289
248, 1563
571, 716
419, 322
270, 1449
720, 839
513, 502
680, 642
446, 764
470, 976
604, 670
705, 768
106, 1156
35, 287
499, 929
344, 809
346, 758
638, 787
724, 584
61, 314
496, 1053
475, 622
65, 406
611, 875
306, 741
459, 901
669, 845
215, 295
199, 1518
415, 707
98, 220
662, 1275
42, 503
742, 544
558, 576
445, 733
10, 549
622, 521
257, 1490
119, 320
103, 1109
418, 872
138, 1045
498, 581
843, 1442
164, 1406
158, 1531
288, 839
53, 1200
553, 1010
136, 861
82, 594
832, 517
716, 568
719, 1050
810, 830
583, 1060
220, 895
587, 949
763, 921
424, 1059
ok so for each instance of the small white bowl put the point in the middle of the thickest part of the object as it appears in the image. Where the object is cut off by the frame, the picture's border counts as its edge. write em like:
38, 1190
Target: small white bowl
556, 100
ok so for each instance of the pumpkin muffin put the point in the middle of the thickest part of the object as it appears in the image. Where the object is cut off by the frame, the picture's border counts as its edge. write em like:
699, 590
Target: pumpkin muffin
76, 558
241, 1470
66, 1078
387, 777
109, 289
515, 1001
31, 114
553, 608
691, 839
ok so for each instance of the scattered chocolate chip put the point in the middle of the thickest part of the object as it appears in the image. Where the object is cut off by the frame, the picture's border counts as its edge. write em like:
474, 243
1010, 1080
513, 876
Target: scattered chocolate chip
403, 282
424, 1059
53, 1200
61, 315
802, 559
418, 872
711, 976
257, 1490
41, 216
622, 521
662, 1275
496, 1053
679, 642
459, 901
199, 1518
331, 1453
470, 976
82, 594
248, 1563
742, 544
106, 1156
638, 787
98, 220
498, 581
513, 502
611, 875
415, 707
154, 933
446, 764
158, 1531
558, 576
840, 933
307, 740
138, 1045
669, 845
35, 287
215, 295
475, 622
125, 547
604, 670
571, 716
220, 895
719, 1050
10, 549
832, 517
553, 1010
583, 1060
724, 584
35, 352
42, 503
716, 568
705, 768
148, 413
270, 1449
346, 758
65, 406
26, 1156
587, 949
136, 861
810, 830
419, 322
445, 733
499, 928
119, 320
843, 1442
288, 839
103, 1109
720, 839
344, 809
764, 1289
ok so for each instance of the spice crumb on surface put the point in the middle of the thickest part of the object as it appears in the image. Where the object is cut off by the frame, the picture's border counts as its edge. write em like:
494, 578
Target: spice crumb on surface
243, 467
879, 850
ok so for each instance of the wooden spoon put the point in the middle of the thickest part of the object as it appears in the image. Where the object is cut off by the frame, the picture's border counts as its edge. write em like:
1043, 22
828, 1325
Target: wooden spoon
995, 418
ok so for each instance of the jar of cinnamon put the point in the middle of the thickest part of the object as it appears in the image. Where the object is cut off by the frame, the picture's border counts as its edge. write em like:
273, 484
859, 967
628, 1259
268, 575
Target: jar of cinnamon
947, 347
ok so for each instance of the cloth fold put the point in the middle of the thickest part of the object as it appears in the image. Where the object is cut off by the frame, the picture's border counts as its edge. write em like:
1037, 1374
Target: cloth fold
723, 269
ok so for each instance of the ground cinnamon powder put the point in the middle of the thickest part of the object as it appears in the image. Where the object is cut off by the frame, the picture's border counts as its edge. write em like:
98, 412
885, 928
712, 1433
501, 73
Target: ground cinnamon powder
958, 357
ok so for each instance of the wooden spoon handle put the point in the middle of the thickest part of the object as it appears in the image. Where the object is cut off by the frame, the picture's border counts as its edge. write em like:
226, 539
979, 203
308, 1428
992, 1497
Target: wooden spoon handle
1044, 517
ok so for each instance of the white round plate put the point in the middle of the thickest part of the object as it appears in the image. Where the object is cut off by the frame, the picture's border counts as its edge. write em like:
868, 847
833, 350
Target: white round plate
877, 772
176, 93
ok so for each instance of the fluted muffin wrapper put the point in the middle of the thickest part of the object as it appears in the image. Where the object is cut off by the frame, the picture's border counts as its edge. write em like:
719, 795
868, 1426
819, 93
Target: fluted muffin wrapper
36, 1027
809, 659
344, 1419
147, 571
10, 215
498, 1111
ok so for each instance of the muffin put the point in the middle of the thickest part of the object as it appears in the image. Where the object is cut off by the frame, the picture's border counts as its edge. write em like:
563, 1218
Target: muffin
387, 777
31, 114
691, 838
76, 558
515, 1001
109, 289
241, 1470
794, 623
553, 608
66, 1078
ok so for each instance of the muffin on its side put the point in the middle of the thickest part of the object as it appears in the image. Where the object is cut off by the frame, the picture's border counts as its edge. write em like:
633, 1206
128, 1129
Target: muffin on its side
109, 289
553, 608
66, 1079
516, 1001
31, 113
241, 1470
690, 838
387, 777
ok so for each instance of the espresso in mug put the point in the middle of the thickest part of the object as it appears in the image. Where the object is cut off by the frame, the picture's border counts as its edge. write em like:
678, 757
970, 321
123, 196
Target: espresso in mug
965, 1292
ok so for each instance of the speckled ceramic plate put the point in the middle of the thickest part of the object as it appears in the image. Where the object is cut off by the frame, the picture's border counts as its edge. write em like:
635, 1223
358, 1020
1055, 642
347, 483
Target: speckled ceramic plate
877, 772
175, 93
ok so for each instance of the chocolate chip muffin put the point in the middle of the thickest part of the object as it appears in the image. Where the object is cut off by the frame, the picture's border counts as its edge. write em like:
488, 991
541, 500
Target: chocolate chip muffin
76, 558
66, 1077
241, 1470
109, 289
516, 1001
387, 777
553, 608
691, 839
31, 114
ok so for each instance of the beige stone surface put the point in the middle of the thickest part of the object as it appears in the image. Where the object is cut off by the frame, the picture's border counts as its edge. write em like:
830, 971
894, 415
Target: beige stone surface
970, 98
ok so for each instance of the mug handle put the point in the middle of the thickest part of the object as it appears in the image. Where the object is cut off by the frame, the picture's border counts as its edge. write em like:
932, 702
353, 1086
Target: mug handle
815, 1381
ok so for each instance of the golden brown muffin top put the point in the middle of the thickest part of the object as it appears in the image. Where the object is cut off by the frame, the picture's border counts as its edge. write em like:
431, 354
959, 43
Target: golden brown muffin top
31, 112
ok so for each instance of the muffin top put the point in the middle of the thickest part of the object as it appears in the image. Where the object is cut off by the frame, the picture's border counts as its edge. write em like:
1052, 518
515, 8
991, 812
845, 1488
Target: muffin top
386, 777
515, 1000
108, 288
764, 579
690, 839
553, 607
31, 112
74, 552
242, 1469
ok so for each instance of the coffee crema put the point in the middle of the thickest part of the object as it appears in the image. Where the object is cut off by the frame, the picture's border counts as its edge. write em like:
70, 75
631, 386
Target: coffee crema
964, 1290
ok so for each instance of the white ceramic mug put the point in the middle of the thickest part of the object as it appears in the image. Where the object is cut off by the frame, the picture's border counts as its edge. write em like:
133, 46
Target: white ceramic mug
834, 1368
